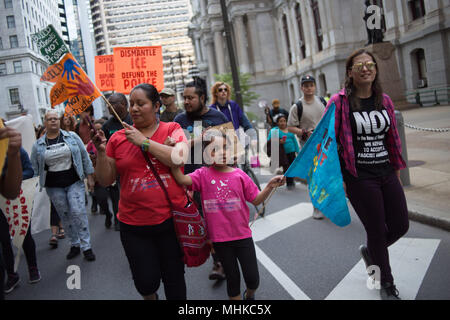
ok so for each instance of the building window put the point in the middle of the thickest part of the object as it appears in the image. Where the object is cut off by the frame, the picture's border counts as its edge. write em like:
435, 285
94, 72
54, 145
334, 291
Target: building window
1, 43
301, 32
38, 92
14, 96
13, 41
417, 8
46, 95
421, 67
8, 4
288, 43
17, 66
317, 24
11, 22
3, 69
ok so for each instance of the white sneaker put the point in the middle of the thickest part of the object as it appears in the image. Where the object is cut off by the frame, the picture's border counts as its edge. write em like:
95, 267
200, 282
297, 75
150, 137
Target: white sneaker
317, 214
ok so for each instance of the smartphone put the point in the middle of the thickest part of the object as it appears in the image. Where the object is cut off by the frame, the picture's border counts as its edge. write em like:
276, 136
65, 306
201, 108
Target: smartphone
91, 124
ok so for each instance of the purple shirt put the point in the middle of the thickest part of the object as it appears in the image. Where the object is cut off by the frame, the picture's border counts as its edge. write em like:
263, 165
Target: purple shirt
344, 133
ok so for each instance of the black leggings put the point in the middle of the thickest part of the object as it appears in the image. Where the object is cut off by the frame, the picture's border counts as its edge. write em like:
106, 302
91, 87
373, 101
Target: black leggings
290, 157
29, 247
2, 275
229, 253
102, 194
380, 204
153, 253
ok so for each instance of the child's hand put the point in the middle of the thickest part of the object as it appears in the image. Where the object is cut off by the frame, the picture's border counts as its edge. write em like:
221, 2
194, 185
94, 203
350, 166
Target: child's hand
277, 181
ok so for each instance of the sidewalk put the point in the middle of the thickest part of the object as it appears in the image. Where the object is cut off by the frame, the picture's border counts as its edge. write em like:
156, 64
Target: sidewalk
428, 196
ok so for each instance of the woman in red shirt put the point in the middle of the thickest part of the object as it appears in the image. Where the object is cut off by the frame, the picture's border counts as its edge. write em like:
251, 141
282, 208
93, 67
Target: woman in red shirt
146, 227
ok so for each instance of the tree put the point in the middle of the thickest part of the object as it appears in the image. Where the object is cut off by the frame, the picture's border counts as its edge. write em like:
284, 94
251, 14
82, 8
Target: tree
247, 96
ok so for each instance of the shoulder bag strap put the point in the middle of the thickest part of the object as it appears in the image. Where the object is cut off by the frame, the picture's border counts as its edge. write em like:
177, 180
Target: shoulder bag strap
158, 178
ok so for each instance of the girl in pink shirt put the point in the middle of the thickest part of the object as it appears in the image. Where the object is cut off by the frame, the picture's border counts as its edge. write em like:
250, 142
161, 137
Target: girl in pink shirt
224, 192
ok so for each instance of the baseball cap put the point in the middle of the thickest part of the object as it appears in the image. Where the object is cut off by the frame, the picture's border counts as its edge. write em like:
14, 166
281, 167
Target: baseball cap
308, 78
167, 92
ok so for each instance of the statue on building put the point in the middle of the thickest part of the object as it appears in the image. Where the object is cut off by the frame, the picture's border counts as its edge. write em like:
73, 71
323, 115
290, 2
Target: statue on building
374, 21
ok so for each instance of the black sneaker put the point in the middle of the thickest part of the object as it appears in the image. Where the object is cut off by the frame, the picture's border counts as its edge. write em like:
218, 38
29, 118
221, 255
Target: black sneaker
366, 257
74, 251
35, 276
12, 282
388, 291
89, 255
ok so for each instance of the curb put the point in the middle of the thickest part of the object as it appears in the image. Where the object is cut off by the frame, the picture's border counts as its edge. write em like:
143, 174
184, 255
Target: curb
437, 222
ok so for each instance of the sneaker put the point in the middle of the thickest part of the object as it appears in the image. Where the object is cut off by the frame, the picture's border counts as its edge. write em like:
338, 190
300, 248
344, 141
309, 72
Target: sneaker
12, 282
89, 255
74, 251
317, 214
388, 291
217, 272
35, 275
366, 257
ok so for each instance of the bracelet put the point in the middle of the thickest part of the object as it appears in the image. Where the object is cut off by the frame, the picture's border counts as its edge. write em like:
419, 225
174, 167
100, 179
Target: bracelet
145, 146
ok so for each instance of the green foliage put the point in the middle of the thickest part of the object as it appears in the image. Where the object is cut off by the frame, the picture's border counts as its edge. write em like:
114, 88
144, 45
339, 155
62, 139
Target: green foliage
247, 96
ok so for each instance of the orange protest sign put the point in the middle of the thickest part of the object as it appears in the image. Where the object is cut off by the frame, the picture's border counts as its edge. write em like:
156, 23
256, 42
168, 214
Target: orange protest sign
3, 148
71, 83
136, 65
104, 72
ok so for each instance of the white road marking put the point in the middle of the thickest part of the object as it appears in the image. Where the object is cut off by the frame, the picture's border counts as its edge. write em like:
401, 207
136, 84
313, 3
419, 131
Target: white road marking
409, 258
276, 222
280, 276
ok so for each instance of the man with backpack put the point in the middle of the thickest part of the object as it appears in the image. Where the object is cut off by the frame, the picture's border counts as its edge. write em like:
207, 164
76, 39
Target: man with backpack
305, 114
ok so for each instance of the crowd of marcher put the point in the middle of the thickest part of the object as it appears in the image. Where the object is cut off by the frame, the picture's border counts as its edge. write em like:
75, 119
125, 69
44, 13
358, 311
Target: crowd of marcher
103, 159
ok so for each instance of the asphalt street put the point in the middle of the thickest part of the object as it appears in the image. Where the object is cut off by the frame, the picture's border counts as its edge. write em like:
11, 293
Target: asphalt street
299, 258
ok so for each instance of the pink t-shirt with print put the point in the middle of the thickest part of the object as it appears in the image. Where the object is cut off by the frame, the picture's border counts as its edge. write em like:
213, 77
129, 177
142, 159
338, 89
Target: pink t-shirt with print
224, 196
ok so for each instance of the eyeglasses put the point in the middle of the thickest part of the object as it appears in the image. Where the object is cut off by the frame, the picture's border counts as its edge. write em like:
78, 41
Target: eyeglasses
223, 89
358, 67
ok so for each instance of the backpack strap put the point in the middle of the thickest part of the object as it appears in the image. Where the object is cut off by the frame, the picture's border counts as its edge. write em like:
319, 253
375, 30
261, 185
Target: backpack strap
324, 102
299, 105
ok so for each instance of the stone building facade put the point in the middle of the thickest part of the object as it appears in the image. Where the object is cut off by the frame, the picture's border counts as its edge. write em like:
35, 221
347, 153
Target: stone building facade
278, 41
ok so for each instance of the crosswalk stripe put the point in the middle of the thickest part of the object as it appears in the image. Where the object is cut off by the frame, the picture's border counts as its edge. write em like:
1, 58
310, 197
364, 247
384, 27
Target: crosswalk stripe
286, 282
409, 259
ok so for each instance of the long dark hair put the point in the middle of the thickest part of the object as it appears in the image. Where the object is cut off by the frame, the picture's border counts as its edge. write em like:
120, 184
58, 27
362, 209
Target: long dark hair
355, 102
200, 88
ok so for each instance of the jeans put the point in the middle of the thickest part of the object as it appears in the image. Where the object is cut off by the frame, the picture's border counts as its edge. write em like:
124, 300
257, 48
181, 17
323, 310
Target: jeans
71, 207
380, 204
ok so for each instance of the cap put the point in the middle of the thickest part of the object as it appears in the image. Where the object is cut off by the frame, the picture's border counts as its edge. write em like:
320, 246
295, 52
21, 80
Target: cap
167, 92
308, 78
275, 102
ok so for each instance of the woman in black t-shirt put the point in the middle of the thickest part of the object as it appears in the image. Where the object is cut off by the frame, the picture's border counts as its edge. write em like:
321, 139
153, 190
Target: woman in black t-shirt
370, 155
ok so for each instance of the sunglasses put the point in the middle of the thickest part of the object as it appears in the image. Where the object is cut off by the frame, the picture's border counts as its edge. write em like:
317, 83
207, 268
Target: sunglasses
223, 90
358, 67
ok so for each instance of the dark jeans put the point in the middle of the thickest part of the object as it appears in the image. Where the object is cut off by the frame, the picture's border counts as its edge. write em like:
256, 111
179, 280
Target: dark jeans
102, 194
153, 253
229, 254
290, 157
29, 247
381, 206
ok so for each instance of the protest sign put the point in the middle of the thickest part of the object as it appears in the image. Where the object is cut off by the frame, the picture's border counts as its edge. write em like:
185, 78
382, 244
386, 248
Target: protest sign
18, 214
25, 126
318, 163
104, 72
136, 65
50, 44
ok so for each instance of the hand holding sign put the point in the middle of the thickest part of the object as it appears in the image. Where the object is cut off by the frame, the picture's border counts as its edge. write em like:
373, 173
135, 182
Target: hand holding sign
14, 139
69, 68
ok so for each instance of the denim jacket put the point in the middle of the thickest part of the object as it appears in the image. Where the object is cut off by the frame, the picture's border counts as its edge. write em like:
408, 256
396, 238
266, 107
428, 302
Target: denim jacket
80, 158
